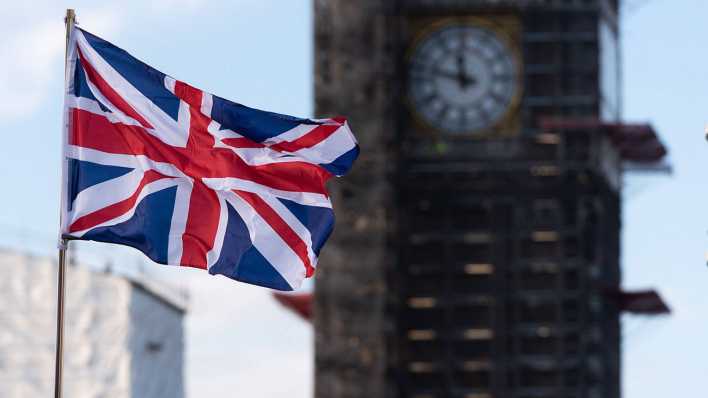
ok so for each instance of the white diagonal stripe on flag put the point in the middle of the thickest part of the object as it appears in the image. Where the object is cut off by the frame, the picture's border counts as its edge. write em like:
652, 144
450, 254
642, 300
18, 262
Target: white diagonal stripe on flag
165, 128
268, 243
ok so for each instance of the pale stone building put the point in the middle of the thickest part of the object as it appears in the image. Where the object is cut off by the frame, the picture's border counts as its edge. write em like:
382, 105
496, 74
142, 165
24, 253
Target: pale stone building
123, 337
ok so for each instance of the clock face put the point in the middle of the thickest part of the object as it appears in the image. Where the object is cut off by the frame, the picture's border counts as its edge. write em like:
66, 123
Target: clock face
463, 79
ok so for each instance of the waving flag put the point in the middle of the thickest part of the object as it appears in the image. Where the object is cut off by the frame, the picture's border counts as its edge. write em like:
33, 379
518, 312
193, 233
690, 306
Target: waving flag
190, 178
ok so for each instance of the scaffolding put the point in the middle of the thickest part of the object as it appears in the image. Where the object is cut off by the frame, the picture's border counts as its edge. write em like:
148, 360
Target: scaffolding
489, 266
508, 248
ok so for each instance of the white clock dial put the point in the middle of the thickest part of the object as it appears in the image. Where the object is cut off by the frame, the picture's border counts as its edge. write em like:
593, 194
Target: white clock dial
463, 78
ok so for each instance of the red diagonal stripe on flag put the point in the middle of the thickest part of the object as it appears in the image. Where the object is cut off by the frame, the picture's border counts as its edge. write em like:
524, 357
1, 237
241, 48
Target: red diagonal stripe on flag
289, 236
109, 92
116, 209
312, 138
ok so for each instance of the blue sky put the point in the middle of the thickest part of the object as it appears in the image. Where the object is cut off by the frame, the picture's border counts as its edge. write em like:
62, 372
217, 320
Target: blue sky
665, 223
256, 52
259, 52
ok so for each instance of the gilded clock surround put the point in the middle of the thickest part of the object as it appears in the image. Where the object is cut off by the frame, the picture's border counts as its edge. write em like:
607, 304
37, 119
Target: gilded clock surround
507, 29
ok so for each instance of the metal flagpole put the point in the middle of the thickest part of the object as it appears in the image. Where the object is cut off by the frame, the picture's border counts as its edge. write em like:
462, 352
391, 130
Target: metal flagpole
60, 321
69, 21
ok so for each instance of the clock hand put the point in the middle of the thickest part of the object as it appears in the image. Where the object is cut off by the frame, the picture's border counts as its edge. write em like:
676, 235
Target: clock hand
461, 75
464, 78
446, 74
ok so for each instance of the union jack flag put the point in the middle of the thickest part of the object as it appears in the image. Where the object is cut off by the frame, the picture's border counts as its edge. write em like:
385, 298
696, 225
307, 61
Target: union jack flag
190, 178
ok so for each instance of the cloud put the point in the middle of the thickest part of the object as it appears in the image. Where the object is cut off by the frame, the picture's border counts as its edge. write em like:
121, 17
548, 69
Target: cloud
32, 48
29, 56
32, 55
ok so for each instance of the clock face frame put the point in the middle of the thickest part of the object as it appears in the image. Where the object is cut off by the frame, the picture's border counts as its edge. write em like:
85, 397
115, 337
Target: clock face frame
464, 77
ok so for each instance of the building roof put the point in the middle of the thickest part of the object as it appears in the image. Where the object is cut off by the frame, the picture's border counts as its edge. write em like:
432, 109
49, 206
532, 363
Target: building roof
638, 143
299, 303
160, 290
641, 302
170, 295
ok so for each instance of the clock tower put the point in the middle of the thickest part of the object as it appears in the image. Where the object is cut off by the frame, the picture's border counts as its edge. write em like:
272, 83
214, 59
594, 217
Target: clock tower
476, 252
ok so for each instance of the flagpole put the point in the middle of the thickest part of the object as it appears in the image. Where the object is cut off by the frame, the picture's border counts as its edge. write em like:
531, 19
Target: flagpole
69, 21
60, 322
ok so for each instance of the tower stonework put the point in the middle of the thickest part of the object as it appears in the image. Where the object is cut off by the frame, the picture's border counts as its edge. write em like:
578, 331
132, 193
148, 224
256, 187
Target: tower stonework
476, 252
354, 72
